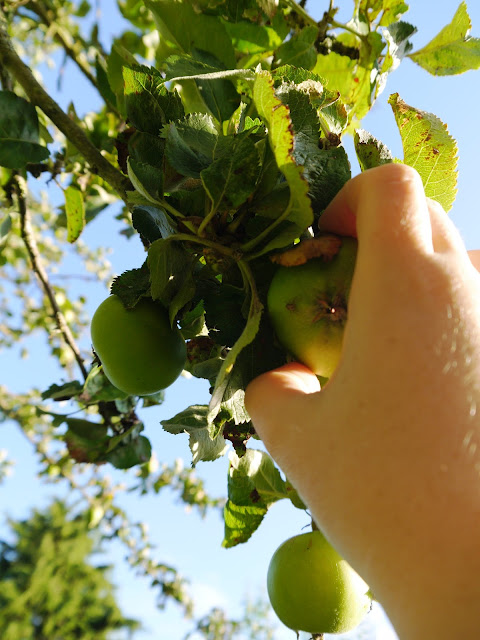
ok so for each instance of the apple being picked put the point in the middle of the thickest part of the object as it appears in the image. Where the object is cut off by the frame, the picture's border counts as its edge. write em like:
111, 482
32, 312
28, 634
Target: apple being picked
308, 307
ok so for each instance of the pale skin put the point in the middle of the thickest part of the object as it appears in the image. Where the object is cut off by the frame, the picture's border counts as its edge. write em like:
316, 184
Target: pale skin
387, 455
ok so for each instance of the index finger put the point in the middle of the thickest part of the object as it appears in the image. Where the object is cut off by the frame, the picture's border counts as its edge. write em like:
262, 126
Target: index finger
475, 258
386, 208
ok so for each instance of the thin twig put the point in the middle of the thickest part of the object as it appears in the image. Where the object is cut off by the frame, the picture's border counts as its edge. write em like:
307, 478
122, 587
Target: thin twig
38, 96
39, 270
59, 35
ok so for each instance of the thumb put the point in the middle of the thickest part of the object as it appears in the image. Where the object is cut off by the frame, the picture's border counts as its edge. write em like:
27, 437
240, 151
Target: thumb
276, 402
474, 256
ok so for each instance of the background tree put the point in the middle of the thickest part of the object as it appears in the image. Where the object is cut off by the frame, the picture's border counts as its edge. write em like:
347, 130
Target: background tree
49, 587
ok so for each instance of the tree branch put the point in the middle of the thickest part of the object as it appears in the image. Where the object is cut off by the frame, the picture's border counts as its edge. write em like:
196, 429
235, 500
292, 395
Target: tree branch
38, 96
39, 270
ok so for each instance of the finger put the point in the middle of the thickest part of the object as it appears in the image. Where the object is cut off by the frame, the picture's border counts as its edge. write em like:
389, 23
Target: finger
276, 404
445, 236
474, 256
386, 208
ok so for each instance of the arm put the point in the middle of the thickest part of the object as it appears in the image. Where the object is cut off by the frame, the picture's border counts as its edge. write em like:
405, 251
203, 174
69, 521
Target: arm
387, 455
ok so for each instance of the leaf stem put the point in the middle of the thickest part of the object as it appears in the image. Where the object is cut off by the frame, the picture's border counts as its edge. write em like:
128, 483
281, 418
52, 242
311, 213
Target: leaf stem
249, 279
340, 25
28, 238
177, 214
254, 241
207, 219
185, 237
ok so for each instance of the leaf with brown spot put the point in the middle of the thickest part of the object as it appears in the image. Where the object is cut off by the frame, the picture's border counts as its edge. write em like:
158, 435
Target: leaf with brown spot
429, 148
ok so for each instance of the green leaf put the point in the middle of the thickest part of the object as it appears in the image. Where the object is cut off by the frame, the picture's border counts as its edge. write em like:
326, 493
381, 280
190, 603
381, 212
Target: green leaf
192, 322
357, 80
254, 484
75, 212
19, 132
252, 38
171, 275
90, 430
223, 312
5, 227
370, 151
241, 522
86, 441
182, 28
193, 421
232, 178
65, 391
119, 57
102, 82
204, 356
147, 179
18, 118
392, 10
148, 102
326, 170
191, 144
300, 50
452, 51
219, 94
132, 285
325, 103
302, 113
429, 148
399, 45
232, 398
254, 471
98, 388
129, 454
154, 399
152, 223
281, 139
147, 148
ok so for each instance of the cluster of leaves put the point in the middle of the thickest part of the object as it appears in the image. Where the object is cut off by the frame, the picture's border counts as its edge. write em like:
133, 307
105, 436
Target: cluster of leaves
233, 148
221, 134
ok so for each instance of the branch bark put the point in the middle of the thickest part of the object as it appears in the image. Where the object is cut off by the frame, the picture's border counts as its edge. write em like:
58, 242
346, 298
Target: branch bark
39, 270
38, 96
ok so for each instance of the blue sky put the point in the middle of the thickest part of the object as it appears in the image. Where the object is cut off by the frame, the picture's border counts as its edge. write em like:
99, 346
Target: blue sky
191, 544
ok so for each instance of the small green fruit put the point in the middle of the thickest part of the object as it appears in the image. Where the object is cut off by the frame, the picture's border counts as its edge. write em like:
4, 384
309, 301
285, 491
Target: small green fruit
308, 307
313, 589
139, 350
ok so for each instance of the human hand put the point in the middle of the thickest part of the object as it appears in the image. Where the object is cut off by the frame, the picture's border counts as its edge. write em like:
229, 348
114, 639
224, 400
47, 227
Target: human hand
387, 455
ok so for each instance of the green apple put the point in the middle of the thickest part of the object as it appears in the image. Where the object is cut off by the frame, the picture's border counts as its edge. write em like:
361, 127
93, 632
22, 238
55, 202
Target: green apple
308, 307
312, 588
139, 350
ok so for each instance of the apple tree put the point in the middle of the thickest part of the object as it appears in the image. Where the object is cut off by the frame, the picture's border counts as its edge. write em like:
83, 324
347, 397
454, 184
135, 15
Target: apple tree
220, 132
